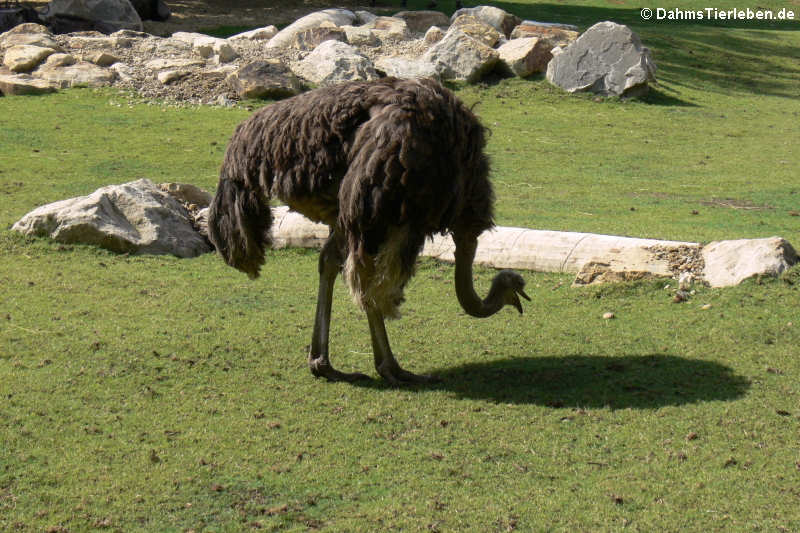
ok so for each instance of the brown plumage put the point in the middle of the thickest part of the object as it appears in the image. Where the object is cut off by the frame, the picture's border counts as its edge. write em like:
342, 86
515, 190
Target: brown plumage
385, 164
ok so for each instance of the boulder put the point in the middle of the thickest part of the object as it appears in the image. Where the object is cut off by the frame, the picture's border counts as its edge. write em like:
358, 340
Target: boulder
558, 34
173, 63
102, 59
264, 79
187, 194
59, 60
421, 21
259, 34
360, 36
116, 14
17, 84
166, 77
434, 35
526, 56
80, 74
460, 57
313, 37
28, 34
363, 17
151, 9
731, 262
500, 20
477, 29
337, 17
219, 50
608, 59
400, 67
25, 57
134, 217
391, 28
334, 62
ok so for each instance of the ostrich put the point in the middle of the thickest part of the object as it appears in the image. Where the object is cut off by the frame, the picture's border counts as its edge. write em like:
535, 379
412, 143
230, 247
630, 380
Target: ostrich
384, 164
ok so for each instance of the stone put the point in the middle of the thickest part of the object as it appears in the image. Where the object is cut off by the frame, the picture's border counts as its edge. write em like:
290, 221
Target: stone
421, 21
526, 56
608, 59
259, 34
151, 9
80, 74
337, 17
334, 62
19, 84
25, 57
119, 14
731, 262
264, 79
460, 57
313, 37
173, 63
363, 17
134, 217
170, 76
59, 60
434, 35
400, 67
500, 20
126, 38
558, 34
187, 194
477, 29
103, 59
28, 34
390, 28
360, 36
208, 47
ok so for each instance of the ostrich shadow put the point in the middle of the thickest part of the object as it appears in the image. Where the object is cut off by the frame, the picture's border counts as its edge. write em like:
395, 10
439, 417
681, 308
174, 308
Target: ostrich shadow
593, 381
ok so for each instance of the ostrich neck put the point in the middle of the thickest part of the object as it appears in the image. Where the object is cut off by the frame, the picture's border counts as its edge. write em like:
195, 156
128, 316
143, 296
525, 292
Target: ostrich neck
465, 290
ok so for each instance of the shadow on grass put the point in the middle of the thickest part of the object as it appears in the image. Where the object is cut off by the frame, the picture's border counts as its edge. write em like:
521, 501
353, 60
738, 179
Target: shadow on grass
632, 381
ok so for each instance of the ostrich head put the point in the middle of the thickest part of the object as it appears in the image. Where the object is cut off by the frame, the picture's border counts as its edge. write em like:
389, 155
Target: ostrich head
507, 287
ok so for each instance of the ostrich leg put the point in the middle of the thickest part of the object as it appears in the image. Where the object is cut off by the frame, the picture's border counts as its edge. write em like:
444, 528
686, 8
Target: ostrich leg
385, 363
330, 263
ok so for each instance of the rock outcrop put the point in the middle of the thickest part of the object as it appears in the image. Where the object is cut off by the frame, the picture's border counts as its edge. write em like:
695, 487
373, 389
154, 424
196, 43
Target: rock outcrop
608, 59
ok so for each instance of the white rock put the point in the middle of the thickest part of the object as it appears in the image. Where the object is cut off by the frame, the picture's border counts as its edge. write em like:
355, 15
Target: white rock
434, 35
134, 217
59, 60
526, 56
731, 262
389, 28
334, 62
502, 21
173, 63
460, 57
258, 34
360, 36
400, 67
11, 84
80, 74
337, 17
169, 76
25, 57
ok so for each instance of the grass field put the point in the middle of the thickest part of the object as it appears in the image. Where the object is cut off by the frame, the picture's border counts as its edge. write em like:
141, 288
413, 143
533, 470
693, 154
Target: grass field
142, 393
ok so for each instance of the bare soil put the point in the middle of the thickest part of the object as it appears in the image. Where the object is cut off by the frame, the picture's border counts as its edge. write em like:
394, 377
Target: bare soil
194, 15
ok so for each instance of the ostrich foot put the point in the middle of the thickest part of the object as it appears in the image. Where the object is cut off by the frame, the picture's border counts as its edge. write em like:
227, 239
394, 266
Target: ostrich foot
321, 368
394, 374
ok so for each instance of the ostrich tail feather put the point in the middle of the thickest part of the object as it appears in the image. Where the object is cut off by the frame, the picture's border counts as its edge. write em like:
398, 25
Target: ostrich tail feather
239, 222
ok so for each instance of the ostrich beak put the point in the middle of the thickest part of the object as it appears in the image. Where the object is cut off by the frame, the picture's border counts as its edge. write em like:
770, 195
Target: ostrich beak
516, 303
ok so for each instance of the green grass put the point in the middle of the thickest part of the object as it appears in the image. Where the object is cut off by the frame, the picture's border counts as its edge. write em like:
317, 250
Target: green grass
157, 394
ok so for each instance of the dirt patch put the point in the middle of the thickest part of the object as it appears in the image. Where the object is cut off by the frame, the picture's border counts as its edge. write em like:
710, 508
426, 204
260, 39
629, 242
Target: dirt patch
195, 15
